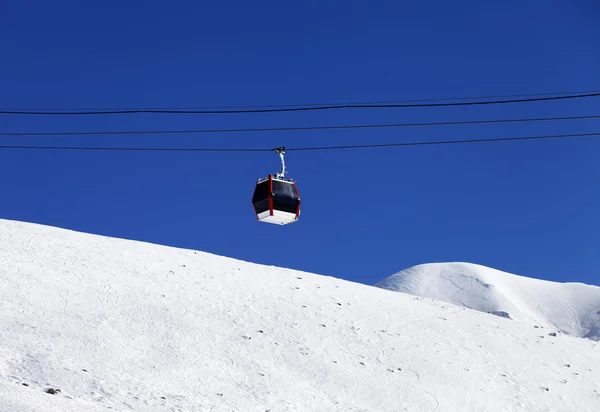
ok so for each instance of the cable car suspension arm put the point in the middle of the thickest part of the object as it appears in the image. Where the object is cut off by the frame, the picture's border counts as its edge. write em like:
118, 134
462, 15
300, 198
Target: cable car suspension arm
281, 151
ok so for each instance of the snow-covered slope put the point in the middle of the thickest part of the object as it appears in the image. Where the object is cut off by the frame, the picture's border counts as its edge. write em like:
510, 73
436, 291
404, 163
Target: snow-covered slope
122, 325
572, 308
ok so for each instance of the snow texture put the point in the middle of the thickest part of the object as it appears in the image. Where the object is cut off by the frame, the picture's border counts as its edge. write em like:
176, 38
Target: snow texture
123, 325
571, 308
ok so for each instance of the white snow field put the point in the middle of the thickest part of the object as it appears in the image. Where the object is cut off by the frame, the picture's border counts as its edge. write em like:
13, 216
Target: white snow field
571, 308
129, 326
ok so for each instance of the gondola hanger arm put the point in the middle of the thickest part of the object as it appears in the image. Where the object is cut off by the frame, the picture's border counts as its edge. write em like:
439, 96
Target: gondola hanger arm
281, 151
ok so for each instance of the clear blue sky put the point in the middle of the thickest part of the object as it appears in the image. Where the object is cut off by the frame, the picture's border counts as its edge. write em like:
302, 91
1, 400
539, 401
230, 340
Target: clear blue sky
530, 208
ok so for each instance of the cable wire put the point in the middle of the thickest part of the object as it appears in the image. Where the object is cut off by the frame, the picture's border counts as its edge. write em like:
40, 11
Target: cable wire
299, 128
297, 109
438, 99
366, 146
444, 142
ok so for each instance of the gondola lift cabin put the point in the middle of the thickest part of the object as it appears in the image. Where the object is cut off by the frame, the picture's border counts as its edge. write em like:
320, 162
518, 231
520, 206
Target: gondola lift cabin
276, 199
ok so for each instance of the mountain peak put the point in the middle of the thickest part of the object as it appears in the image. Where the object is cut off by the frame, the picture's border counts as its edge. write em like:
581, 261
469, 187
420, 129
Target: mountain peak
571, 308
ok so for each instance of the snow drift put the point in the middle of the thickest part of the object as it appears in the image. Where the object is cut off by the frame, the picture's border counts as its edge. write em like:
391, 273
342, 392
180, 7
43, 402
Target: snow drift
571, 308
113, 324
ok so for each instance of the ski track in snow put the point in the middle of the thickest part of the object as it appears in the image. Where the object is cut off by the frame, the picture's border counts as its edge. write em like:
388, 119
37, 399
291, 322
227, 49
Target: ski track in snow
119, 325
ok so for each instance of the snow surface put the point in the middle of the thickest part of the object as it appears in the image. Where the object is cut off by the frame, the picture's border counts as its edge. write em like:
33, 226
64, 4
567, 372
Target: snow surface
571, 308
129, 326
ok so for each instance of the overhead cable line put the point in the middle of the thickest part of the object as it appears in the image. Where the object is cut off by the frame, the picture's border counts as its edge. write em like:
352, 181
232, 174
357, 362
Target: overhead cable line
290, 149
298, 128
438, 99
296, 109
444, 142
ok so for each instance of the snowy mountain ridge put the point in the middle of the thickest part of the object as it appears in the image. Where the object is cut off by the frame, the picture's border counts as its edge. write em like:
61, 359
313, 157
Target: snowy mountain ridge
114, 324
571, 308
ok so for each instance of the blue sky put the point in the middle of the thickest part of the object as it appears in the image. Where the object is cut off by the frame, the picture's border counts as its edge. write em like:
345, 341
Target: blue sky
530, 208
